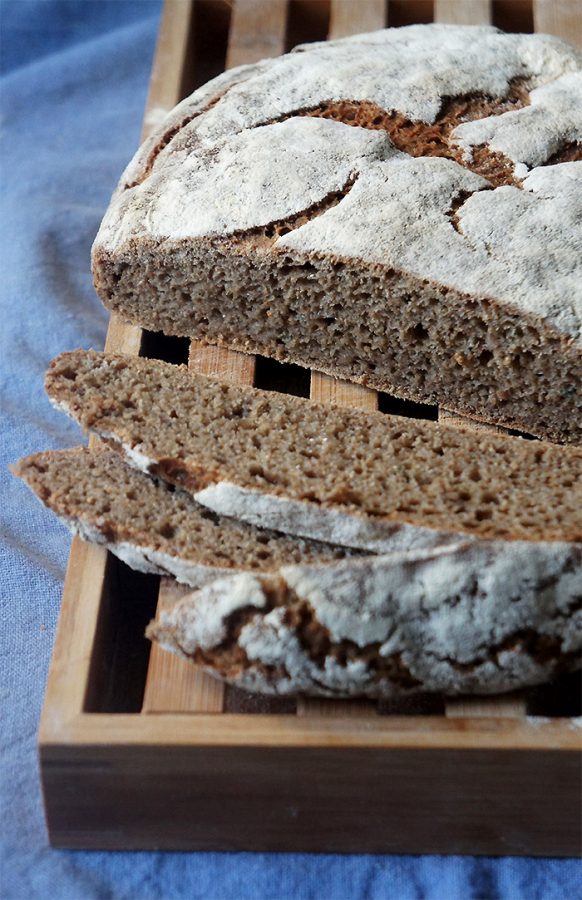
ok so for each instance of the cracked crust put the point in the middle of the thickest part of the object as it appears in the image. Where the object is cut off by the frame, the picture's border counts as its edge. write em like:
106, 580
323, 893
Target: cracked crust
222, 228
470, 618
151, 527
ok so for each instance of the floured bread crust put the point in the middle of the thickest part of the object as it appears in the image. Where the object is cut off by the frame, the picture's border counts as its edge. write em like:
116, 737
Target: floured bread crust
402, 209
225, 143
321, 523
483, 618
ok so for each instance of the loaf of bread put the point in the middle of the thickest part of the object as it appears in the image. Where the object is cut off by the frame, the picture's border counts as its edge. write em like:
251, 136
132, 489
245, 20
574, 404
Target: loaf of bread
402, 209
152, 527
478, 617
349, 477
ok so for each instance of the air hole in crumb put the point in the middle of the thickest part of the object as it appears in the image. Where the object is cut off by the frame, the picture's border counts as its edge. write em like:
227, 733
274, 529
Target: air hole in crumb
415, 335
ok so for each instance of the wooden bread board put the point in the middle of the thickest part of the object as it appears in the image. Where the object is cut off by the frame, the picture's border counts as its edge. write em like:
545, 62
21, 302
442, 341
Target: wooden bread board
140, 750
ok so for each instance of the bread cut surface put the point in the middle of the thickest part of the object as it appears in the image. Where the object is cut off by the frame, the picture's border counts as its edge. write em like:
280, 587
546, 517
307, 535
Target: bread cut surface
480, 617
347, 476
151, 526
401, 208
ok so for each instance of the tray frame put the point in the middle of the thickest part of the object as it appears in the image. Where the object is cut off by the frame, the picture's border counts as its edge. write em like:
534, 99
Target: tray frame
180, 772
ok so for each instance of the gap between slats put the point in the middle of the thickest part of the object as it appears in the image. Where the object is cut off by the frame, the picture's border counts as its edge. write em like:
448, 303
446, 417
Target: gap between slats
473, 12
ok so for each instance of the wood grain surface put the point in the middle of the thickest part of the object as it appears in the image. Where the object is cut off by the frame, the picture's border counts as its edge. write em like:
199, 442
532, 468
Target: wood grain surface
463, 12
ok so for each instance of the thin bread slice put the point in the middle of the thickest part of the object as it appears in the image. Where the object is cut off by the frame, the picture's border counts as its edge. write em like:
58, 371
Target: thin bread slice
354, 478
152, 527
476, 617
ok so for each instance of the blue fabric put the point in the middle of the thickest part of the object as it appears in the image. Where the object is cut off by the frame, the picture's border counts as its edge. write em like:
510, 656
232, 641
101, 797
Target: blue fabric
73, 89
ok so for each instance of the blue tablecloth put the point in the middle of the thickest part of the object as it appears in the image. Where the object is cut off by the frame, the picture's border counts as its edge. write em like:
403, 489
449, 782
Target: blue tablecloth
73, 85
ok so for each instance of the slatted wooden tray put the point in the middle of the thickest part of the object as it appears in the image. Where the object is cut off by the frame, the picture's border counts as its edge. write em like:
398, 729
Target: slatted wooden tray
140, 750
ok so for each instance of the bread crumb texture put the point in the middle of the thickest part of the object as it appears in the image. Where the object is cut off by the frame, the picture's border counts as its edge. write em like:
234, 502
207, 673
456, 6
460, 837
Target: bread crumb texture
324, 471
402, 208
152, 526
470, 618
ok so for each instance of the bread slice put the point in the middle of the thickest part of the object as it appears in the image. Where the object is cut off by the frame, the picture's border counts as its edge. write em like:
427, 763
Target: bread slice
151, 526
402, 208
478, 617
354, 478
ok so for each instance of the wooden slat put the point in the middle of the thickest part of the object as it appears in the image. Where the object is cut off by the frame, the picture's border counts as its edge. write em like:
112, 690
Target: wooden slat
171, 62
333, 390
173, 685
228, 365
463, 12
560, 17
347, 709
347, 17
257, 31
509, 707
356, 17
123, 337
473, 12
69, 678
268, 731
453, 419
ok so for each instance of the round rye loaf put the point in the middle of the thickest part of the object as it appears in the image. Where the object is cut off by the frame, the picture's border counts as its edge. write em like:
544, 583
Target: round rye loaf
401, 208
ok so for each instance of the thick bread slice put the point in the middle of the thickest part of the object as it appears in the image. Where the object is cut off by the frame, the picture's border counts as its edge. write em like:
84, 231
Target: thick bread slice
400, 208
345, 476
478, 617
152, 527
